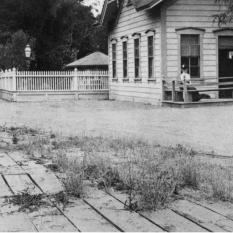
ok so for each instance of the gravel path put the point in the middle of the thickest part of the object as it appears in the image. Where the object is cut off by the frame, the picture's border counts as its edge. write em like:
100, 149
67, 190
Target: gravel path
208, 129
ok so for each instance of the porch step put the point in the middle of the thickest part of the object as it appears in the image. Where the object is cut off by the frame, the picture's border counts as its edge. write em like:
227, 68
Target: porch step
203, 103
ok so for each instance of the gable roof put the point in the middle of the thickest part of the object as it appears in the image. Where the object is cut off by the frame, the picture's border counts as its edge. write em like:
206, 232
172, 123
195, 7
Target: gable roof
94, 59
111, 7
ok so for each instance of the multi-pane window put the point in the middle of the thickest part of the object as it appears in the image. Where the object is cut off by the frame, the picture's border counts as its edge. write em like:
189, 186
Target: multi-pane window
114, 60
150, 41
190, 54
125, 59
137, 57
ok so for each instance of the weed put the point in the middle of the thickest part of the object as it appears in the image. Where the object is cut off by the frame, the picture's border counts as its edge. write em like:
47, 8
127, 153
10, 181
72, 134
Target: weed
27, 201
61, 198
73, 183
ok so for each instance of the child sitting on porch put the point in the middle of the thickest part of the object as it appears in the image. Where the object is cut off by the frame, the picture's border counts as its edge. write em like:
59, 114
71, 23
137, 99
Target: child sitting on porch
185, 77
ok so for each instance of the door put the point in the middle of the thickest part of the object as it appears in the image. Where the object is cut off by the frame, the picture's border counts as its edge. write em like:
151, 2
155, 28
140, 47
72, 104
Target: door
226, 66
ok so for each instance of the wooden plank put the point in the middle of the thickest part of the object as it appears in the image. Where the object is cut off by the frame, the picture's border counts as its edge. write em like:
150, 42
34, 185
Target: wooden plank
20, 183
7, 165
47, 180
13, 221
86, 218
223, 208
172, 221
206, 218
4, 189
50, 219
166, 218
115, 212
16, 222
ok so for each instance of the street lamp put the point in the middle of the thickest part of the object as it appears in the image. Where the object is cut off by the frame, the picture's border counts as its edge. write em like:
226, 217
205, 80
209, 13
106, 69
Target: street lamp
28, 52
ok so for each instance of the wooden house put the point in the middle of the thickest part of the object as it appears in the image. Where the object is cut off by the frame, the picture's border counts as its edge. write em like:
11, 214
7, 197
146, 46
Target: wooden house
149, 40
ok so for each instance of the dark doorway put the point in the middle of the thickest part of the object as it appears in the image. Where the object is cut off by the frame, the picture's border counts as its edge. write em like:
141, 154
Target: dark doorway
226, 66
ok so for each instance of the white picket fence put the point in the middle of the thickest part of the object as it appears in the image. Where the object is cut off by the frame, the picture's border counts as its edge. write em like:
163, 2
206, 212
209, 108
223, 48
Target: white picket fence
57, 81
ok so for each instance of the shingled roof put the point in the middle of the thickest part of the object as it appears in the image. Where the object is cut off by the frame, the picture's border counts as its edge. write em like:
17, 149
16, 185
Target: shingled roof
94, 59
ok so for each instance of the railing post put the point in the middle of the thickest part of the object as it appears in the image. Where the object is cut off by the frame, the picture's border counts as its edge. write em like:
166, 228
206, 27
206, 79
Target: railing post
173, 91
163, 89
14, 79
75, 80
185, 92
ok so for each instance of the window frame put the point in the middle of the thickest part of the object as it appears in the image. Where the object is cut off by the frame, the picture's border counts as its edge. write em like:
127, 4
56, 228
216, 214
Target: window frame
114, 61
191, 31
125, 59
150, 57
137, 56
190, 58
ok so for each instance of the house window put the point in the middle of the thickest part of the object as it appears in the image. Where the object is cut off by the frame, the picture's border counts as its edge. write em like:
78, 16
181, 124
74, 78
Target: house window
125, 59
150, 41
137, 57
190, 54
114, 60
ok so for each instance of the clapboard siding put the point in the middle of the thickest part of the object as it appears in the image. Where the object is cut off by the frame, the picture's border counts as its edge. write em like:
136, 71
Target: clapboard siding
146, 93
130, 21
189, 13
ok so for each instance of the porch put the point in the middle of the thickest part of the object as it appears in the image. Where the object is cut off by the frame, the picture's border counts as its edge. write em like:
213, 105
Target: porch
198, 93
53, 85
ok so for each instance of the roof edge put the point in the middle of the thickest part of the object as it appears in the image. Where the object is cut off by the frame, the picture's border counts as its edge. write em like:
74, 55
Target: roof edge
150, 5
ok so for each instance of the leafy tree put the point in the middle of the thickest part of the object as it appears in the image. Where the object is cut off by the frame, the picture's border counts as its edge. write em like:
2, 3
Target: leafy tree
59, 31
227, 15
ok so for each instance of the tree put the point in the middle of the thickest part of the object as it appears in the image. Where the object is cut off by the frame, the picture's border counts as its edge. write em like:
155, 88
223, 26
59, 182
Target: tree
61, 31
12, 53
227, 15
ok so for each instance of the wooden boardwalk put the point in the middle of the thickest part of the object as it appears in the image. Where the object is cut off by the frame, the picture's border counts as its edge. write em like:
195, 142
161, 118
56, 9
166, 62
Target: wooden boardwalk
99, 211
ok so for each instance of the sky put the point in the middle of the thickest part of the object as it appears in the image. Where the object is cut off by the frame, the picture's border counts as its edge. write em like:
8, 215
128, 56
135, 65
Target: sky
97, 5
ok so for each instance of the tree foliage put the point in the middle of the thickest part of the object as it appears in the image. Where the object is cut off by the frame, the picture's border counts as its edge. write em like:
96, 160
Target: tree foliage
226, 15
58, 31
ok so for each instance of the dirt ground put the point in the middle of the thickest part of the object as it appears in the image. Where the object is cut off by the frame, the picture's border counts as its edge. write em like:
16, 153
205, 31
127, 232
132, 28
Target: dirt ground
208, 129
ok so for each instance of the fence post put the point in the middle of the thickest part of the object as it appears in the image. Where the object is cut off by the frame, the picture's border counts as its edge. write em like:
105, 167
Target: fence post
185, 92
173, 91
75, 80
14, 79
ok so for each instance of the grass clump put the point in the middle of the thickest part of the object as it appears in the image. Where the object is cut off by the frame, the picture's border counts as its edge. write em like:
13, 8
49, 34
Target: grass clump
73, 174
27, 201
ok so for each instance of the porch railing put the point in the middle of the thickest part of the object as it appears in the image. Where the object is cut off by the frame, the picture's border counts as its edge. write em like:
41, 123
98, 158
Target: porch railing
176, 91
39, 81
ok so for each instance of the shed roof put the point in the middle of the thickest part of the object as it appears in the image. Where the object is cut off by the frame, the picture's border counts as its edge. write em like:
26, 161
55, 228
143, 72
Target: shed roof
94, 59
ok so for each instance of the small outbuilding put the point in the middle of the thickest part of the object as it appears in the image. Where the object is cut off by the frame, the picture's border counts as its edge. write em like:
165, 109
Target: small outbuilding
94, 62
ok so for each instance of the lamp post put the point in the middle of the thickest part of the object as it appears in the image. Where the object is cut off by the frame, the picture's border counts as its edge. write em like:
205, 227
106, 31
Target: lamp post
28, 52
